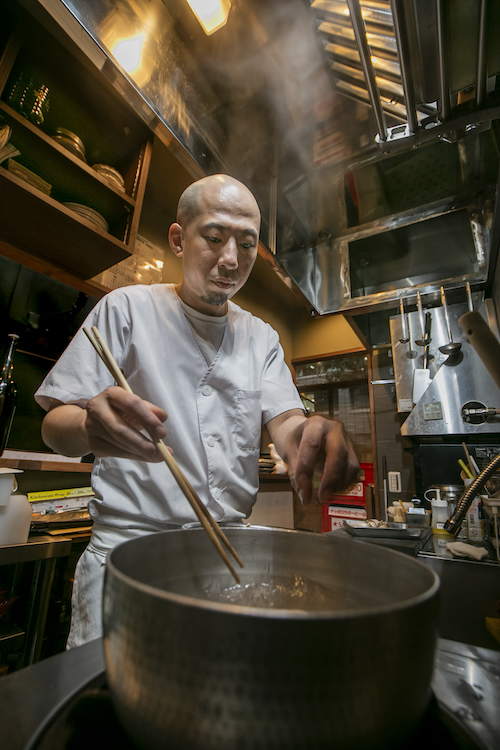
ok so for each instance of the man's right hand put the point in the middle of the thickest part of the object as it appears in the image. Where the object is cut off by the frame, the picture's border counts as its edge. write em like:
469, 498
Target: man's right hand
110, 425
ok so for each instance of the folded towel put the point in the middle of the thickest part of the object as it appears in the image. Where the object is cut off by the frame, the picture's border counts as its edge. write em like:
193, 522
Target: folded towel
460, 549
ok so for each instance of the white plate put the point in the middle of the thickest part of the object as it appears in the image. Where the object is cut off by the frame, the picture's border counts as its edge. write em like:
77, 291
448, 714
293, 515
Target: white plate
88, 213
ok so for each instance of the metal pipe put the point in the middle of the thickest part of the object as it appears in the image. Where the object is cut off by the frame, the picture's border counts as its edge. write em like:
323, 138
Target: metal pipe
397, 111
366, 64
443, 78
454, 523
398, 16
481, 55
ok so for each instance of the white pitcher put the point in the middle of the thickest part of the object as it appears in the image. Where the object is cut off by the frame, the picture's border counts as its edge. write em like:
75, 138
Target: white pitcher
15, 510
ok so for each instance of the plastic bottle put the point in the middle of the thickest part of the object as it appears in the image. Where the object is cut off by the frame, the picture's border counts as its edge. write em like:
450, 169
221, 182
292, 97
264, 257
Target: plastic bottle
440, 513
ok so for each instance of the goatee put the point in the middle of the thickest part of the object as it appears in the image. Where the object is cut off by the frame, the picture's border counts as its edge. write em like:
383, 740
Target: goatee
215, 299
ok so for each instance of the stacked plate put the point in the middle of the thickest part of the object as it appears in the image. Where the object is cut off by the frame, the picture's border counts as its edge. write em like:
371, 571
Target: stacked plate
111, 175
71, 142
28, 176
88, 213
5, 131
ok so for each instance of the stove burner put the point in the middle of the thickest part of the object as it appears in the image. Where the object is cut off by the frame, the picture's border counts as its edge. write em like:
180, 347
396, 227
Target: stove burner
88, 720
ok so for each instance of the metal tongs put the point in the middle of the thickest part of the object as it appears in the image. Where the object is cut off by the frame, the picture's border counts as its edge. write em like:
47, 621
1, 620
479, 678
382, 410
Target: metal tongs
204, 516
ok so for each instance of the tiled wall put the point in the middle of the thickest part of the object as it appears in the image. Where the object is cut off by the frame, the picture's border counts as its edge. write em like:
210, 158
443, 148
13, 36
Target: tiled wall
396, 449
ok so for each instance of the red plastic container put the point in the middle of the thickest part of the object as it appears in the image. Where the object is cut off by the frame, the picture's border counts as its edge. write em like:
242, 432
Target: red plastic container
349, 504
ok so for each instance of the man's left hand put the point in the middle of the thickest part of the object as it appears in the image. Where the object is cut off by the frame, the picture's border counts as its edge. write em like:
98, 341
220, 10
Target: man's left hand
314, 445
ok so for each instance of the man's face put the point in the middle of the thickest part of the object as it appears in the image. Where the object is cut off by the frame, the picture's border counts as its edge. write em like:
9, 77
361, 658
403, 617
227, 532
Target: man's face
218, 247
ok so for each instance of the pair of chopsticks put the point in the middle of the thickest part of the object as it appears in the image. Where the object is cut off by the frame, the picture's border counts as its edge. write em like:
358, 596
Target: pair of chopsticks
204, 516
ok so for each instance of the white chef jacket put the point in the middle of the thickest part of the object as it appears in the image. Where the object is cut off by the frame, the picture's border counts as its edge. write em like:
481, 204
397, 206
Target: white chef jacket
215, 413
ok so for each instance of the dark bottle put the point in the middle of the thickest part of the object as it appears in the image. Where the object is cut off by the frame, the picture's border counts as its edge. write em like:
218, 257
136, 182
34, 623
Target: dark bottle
8, 394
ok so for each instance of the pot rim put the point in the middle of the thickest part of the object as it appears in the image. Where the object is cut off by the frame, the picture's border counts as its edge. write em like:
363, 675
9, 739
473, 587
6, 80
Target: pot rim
266, 612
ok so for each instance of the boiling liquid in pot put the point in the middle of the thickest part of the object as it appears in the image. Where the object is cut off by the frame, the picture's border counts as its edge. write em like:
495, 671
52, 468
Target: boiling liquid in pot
288, 592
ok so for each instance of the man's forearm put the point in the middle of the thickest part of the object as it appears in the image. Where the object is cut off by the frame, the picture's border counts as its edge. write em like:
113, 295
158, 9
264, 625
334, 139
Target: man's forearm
280, 428
63, 430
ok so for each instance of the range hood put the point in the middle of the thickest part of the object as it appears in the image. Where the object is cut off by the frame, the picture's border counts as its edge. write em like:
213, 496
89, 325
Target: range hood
368, 130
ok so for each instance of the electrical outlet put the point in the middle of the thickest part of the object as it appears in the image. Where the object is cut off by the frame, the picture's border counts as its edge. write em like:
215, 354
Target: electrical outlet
394, 478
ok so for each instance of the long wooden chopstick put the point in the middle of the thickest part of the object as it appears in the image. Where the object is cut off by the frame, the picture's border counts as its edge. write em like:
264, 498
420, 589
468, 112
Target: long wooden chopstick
203, 514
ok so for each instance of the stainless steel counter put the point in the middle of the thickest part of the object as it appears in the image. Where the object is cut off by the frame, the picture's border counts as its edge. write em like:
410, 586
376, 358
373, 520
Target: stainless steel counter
467, 681
470, 592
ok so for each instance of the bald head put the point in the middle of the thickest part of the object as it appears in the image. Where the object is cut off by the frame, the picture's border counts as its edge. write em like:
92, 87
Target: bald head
217, 236
216, 190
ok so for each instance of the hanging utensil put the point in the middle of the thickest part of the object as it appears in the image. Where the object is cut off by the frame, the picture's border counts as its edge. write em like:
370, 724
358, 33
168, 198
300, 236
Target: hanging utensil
404, 323
453, 347
469, 297
422, 378
423, 341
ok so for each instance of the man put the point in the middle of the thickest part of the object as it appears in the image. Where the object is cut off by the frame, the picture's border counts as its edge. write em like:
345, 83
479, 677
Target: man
212, 372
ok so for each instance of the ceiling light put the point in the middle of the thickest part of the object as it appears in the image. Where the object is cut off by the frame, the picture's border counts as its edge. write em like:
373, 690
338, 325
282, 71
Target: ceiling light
131, 42
128, 52
212, 14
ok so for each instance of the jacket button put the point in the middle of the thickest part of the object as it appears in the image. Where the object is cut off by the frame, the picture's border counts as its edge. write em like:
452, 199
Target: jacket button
206, 390
211, 441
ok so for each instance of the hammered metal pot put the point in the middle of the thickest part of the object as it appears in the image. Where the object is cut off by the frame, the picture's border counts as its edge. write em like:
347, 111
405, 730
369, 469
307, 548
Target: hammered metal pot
185, 672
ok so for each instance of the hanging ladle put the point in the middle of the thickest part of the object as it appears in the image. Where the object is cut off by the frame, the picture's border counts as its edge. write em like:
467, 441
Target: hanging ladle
453, 347
470, 303
404, 323
425, 340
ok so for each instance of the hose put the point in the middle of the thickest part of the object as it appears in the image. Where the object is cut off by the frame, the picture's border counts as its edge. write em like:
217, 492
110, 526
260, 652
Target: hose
454, 523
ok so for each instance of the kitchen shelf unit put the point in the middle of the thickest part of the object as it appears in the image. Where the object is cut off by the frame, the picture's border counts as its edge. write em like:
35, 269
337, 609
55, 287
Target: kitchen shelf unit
36, 229
25, 633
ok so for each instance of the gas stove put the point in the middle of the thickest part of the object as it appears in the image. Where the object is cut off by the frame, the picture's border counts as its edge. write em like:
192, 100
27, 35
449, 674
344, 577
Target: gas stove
63, 703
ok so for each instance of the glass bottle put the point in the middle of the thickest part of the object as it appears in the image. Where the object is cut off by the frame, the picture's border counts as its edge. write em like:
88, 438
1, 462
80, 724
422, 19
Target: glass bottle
30, 97
8, 394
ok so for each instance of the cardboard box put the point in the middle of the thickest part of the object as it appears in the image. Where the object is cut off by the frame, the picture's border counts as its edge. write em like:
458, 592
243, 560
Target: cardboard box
475, 531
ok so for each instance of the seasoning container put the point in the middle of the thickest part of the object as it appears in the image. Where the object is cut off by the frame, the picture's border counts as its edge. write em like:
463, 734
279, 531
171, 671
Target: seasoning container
440, 513
418, 517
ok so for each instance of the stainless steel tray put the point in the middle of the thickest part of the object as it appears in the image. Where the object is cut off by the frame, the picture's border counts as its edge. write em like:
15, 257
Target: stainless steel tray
392, 531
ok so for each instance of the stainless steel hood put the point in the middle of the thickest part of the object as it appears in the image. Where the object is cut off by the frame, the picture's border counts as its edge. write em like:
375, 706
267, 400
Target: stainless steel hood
368, 130
458, 385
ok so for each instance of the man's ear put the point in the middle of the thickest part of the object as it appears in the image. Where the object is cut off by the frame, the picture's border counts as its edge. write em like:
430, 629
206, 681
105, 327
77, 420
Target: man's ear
176, 239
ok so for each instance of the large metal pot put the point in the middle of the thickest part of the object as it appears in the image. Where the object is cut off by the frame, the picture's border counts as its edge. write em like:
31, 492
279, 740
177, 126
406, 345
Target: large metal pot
185, 672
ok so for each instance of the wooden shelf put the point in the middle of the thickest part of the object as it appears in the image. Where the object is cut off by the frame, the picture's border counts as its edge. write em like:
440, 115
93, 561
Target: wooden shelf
11, 637
38, 224
42, 265
274, 478
60, 167
38, 464
36, 229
